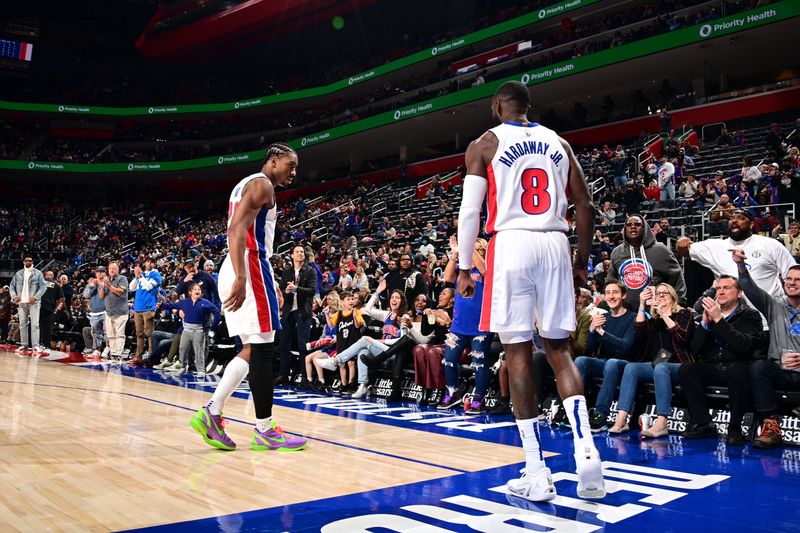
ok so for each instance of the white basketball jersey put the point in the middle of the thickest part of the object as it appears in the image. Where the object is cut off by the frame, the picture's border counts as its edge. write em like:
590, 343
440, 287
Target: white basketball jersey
262, 233
528, 179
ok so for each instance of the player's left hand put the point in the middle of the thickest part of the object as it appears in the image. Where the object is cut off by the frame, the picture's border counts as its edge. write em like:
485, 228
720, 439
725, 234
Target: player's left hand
580, 275
465, 283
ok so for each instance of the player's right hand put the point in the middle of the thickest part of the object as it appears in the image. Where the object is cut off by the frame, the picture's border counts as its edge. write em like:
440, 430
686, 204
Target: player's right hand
236, 299
465, 283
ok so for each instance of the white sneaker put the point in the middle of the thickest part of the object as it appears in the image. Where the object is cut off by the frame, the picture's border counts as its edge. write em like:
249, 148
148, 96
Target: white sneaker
200, 374
86, 351
181, 371
363, 390
21, 349
329, 364
590, 473
536, 488
174, 366
106, 352
96, 353
162, 365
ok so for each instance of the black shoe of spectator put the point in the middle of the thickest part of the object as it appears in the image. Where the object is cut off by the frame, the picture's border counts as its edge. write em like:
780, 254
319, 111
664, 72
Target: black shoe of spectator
371, 362
561, 419
501, 407
336, 389
598, 422
304, 384
705, 431
349, 389
735, 436
319, 386
280, 380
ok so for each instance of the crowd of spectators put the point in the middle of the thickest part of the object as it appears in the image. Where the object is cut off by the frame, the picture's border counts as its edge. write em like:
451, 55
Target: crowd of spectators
166, 141
639, 325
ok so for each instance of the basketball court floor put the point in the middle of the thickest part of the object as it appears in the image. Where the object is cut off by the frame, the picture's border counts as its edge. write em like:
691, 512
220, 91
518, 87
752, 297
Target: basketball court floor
103, 447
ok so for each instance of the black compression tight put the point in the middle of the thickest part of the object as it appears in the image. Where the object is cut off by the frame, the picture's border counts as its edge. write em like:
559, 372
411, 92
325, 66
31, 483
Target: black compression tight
261, 378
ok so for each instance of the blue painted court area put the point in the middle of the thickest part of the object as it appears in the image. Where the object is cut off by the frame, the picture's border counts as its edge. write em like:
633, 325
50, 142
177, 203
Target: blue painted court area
667, 484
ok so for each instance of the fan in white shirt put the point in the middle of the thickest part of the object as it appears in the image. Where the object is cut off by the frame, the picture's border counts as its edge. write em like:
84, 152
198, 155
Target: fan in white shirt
768, 260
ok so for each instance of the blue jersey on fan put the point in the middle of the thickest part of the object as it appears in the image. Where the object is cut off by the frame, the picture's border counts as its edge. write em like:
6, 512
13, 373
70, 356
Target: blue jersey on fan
391, 328
331, 333
467, 311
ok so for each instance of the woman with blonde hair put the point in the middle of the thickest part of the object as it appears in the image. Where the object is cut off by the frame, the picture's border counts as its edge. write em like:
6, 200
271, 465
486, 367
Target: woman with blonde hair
665, 335
360, 280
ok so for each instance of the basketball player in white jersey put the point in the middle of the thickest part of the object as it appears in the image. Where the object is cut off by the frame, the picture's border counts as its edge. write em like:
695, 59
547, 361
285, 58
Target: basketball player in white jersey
251, 301
530, 172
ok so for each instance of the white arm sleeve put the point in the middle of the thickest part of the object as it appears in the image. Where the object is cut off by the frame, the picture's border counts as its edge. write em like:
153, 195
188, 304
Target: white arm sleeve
469, 217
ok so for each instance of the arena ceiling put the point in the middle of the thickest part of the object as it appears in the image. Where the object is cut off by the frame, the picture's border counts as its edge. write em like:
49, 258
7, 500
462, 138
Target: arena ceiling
181, 30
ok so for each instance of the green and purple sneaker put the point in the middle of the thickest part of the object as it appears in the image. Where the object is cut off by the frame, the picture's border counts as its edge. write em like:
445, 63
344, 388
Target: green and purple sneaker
276, 439
212, 429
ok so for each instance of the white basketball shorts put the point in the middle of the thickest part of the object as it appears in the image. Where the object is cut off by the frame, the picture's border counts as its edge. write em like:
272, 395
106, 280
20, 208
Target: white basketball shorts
529, 283
258, 318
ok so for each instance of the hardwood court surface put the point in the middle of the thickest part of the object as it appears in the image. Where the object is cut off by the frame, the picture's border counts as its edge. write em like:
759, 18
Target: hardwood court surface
98, 451
108, 448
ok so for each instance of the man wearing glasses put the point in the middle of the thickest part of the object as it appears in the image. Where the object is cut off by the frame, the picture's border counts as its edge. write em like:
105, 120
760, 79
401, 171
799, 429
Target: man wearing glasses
640, 261
725, 343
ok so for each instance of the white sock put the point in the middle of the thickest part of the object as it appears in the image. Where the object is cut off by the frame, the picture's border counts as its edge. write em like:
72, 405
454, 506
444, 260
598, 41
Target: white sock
578, 416
531, 443
451, 390
263, 424
235, 373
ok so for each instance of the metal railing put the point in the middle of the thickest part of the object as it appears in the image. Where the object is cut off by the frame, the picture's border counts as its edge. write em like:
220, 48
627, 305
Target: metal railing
646, 151
596, 186
379, 190
284, 247
444, 179
321, 233
703, 129
406, 197
379, 207
127, 247
72, 222
331, 210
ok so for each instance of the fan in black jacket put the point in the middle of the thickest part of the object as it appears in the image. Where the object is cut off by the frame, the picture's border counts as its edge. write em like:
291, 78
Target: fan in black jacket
729, 334
298, 284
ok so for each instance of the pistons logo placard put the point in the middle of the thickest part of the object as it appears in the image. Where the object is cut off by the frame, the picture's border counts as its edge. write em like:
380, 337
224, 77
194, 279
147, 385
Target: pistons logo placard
635, 274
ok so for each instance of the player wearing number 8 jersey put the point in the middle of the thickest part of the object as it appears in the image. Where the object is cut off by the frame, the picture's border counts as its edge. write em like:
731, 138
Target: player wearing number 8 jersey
528, 172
